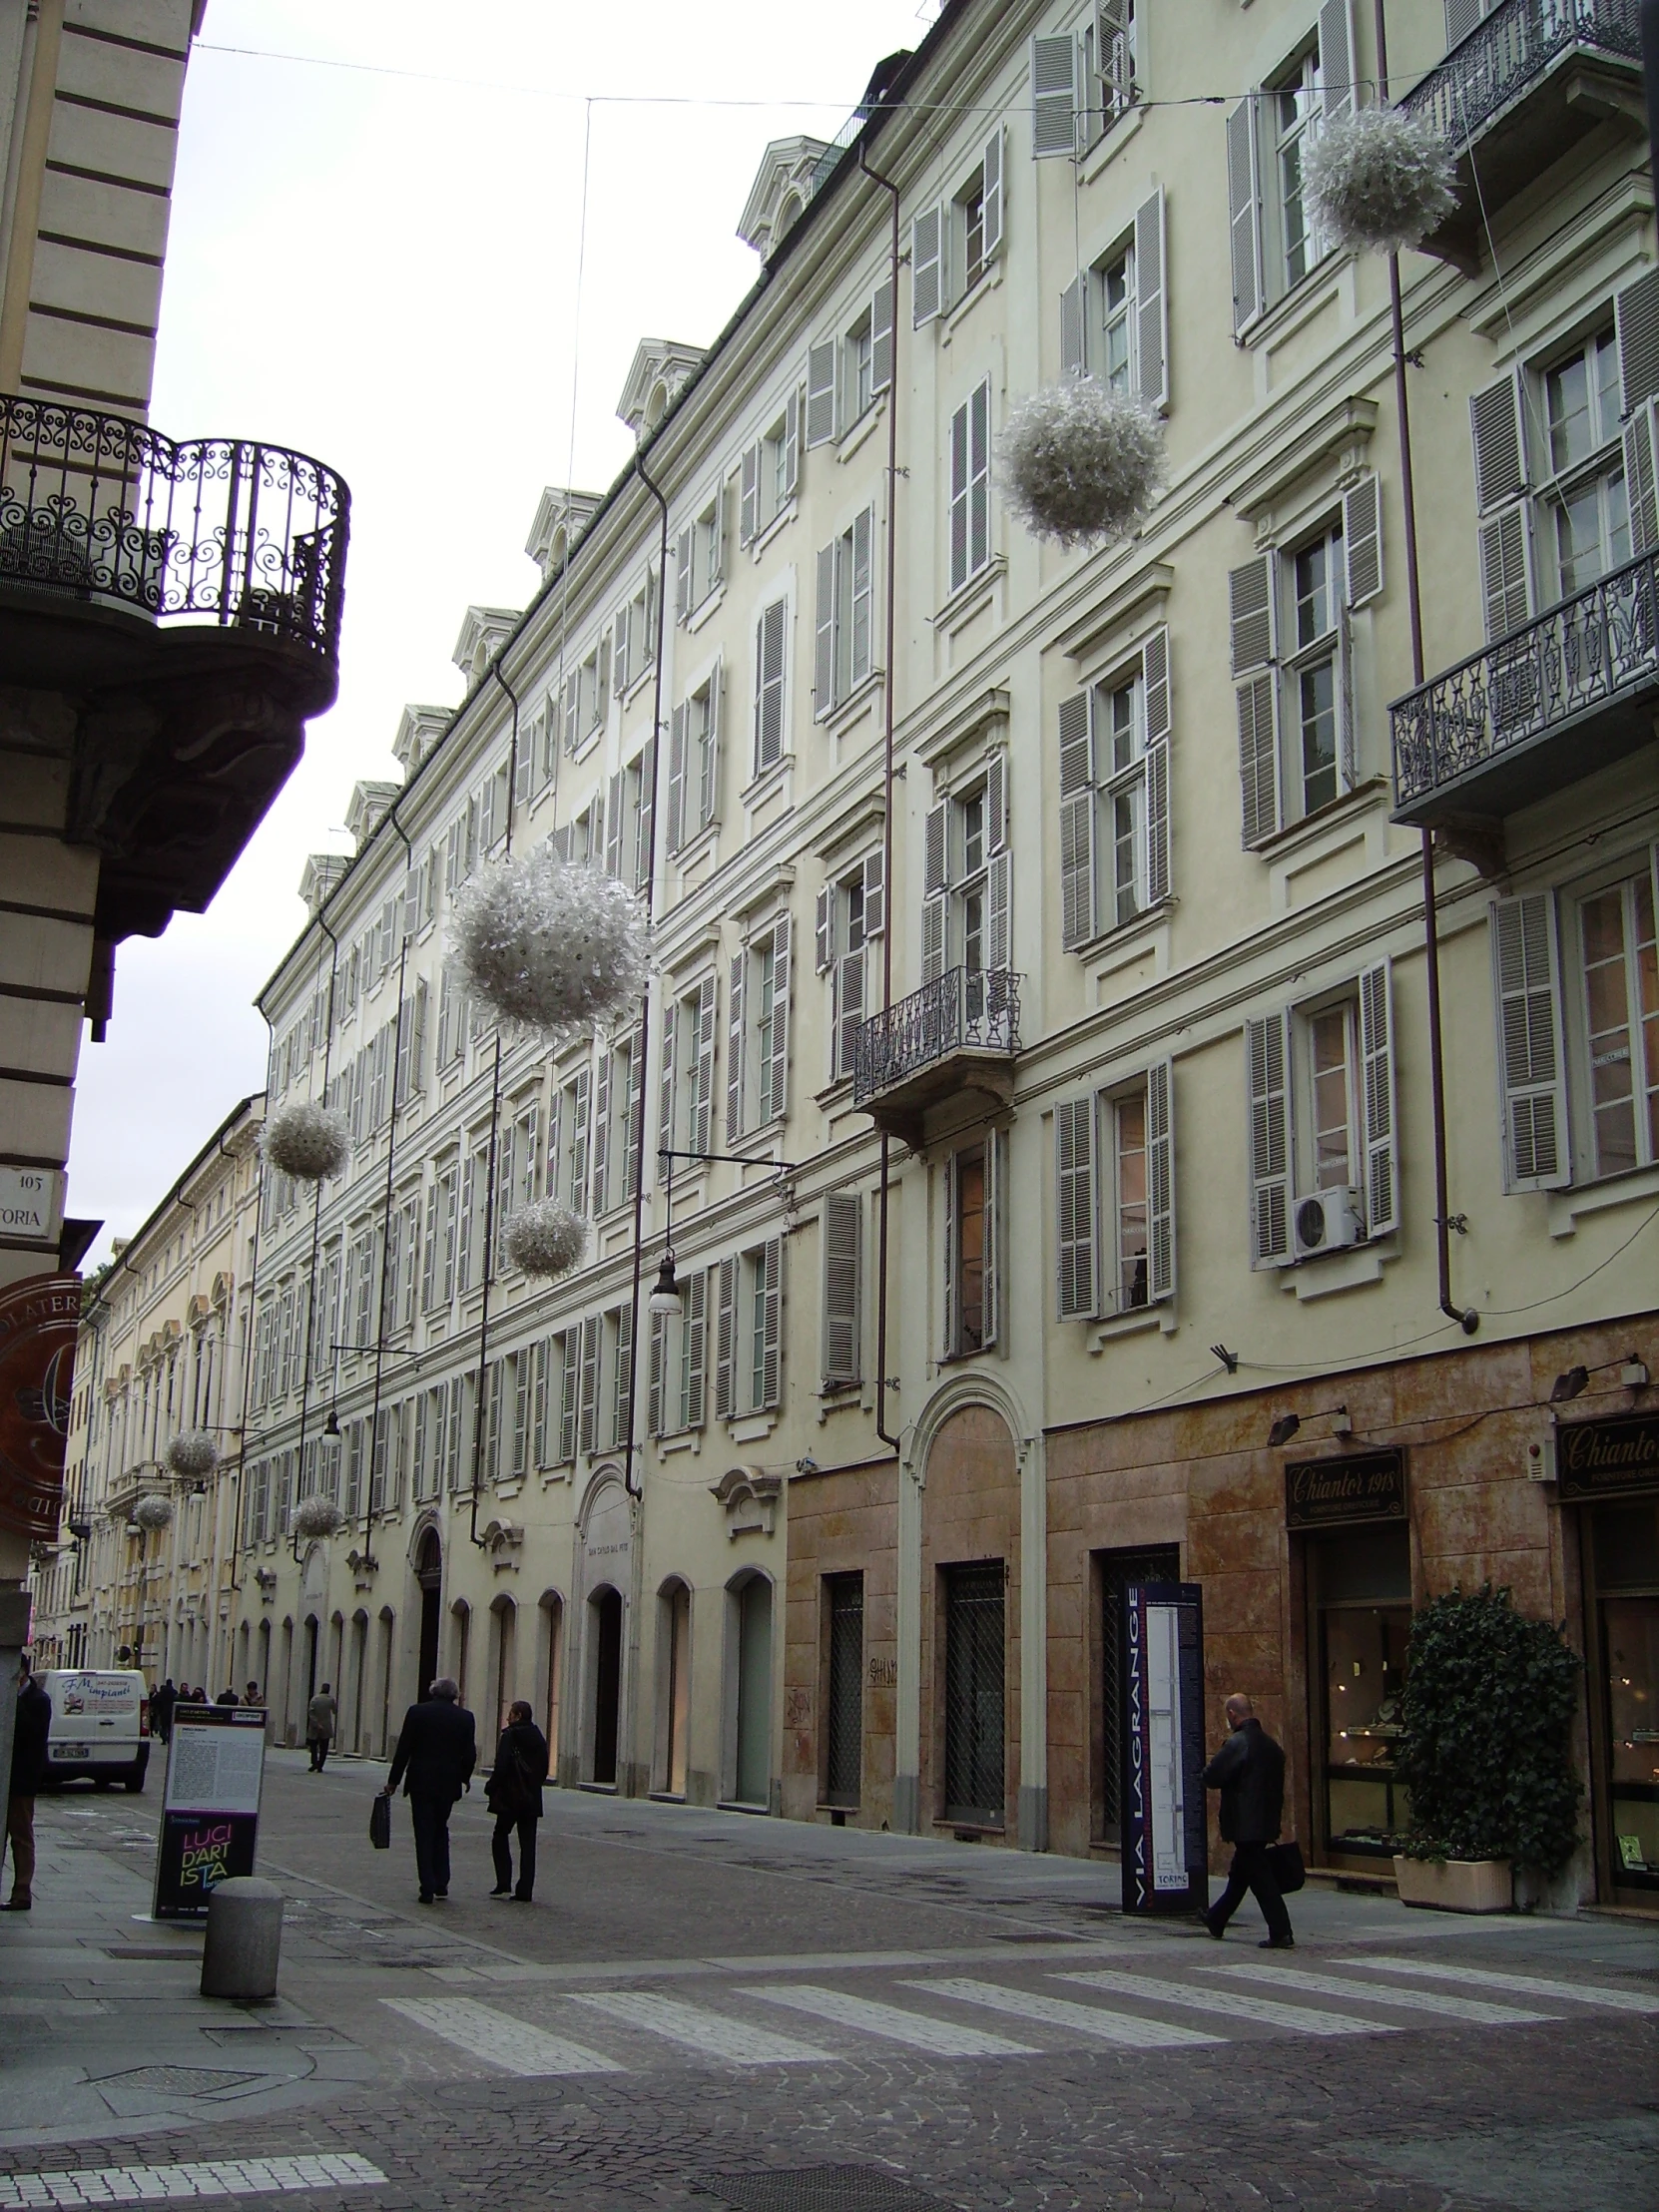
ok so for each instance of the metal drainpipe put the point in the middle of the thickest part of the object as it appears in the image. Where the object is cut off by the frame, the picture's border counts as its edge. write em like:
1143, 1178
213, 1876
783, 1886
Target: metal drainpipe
884, 1189
246, 1366
1466, 1317
391, 1157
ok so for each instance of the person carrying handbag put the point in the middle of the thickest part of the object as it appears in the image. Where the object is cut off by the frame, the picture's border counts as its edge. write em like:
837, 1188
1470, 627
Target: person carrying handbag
513, 1794
1249, 1770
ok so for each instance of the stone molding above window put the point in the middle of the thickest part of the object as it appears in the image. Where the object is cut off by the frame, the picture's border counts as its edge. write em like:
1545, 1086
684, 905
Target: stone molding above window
975, 723
1116, 624
749, 1496
1339, 435
972, 598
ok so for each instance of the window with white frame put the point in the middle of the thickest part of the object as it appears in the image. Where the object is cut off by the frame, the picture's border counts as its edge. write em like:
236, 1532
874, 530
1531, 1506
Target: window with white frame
1083, 80
852, 913
955, 240
618, 1121
769, 473
518, 1167
758, 1032
1275, 242
1292, 664
1320, 1078
699, 557
967, 884
471, 1260
1114, 795
1585, 496
634, 636
437, 1275
1114, 317
970, 487
618, 1357
679, 1352
844, 630
771, 668
693, 763
628, 821
845, 376
749, 1331
971, 1178
554, 1413
686, 1097
843, 1236
568, 1141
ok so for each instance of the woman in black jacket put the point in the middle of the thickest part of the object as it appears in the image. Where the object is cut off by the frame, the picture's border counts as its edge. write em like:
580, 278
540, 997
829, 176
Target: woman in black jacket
513, 1794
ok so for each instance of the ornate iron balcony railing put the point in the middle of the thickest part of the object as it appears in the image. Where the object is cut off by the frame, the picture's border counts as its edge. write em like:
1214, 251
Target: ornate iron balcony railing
962, 1010
218, 529
1507, 49
1588, 651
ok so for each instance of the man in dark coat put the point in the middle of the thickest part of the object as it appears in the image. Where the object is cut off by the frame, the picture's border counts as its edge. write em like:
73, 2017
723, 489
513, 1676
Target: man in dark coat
162, 1702
437, 1749
513, 1794
28, 1776
1249, 1770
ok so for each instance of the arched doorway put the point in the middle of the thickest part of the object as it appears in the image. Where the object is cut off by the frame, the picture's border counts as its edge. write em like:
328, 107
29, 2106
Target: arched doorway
674, 1684
311, 1658
605, 1618
429, 1578
752, 1634
504, 1632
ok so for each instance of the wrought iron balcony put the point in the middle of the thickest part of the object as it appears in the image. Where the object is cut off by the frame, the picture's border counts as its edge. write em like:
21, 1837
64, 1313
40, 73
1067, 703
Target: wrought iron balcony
1531, 79
1567, 694
960, 1033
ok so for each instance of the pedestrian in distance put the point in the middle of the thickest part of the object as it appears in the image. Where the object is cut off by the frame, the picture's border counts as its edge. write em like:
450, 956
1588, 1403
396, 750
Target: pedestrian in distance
1249, 1770
320, 1728
162, 1703
250, 1695
437, 1749
513, 1793
28, 1776
227, 1696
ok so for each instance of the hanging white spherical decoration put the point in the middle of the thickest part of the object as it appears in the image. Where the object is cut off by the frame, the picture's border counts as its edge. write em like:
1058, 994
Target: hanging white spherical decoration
153, 1511
551, 943
546, 1238
307, 1141
192, 1452
1379, 180
316, 1516
1081, 462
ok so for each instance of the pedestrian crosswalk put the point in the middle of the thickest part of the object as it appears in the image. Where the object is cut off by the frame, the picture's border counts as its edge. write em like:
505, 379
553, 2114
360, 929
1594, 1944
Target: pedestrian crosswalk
728, 2023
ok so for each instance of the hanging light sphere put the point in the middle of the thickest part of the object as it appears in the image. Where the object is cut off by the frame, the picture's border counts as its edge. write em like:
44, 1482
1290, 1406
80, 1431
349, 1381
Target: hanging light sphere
153, 1511
307, 1141
551, 943
546, 1239
1379, 181
1081, 462
316, 1516
192, 1452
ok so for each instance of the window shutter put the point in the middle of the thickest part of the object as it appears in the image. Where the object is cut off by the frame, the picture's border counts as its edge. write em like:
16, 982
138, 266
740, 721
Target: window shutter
569, 1393
601, 1148
677, 777
707, 997
860, 657
1152, 302
850, 1008
1053, 95
993, 1309
555, 1131
1497, 426
770, 640
999, 910
875, 893
1636, 321
996, 799
410, 918
1526, 964
821, 393
623, 1377
581, 1140
842, 1242
406, 1047
1641, 476
1077, 822
824, 928
1268, 1058
771, 1323
1377, 1063
726, 1343
622, 646
654, 1372
1506, 569
645, 818
823, 654
1251, 613
683, 576
463, 1250
926, 265
735, 1049
429, 1259
1160, 1180
588, 1416
936, 886
779, 1073
1363, 541
792, 444
694, 1342
991, 189
1462, 16
1244, 212
1111, 46
613, 827
1259, 758
665, 1089
1337, 58
1155, 692
708, 783
749, 494
635, 1109
1074, 1225
881, 335
1074, 352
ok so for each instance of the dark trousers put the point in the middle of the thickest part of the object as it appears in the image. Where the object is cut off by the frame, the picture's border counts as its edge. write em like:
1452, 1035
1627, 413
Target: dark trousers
431, 1816
500, 1845
320, 1753
1252, 1870
20, 1833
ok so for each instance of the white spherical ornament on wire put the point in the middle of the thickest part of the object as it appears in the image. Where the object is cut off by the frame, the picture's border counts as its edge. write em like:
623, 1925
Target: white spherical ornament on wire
546, 1238
154, 1512
307, 1141
192, 1452
1081, 462
1379, 180
316, 1516
551, 943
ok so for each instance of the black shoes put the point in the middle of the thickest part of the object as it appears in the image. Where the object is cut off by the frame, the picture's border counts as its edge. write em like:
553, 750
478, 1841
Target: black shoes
1277, 1943
425, 1897
520, 1899
1210, 1928
501, 1891
18, 1905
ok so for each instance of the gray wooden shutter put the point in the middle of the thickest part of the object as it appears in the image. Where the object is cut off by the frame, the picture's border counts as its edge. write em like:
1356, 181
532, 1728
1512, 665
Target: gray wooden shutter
1336, 50
654, 1385
613, 826
1156, 697
1636, 323
1363, 541
824, 652
677, 777
935, 885
622, 655
735, 1043
881, 335
850, 1008
1074, 1201
694, 1342
992, 194
588, 1417
1053, 95
1160, 1180
1527, 967
770, 639
602, 1135
1461, 17
861, 644
1498, 428
1152, 302
771, 1263
682, 593
1074, 349
1252, 628
843, 1251
1376, 1069
749, 494
1077, 822
708, 783
1506, 583
875, 893
926, 265
622, 1377
665, 1088
555, 1132
644, 819
1244, 212
792, 444
1268, 1062
999, 910
1250, 613
635, 1108
778, 1075
992, 1307
707, 997
821, 392
824, 930
726, 1343
1641, 477
569, 1394
581, 1140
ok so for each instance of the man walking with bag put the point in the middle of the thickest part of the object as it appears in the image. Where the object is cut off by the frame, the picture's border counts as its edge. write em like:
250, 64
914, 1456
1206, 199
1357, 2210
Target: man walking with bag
437, 1750
1249, 1770
320, 1727
513, 1794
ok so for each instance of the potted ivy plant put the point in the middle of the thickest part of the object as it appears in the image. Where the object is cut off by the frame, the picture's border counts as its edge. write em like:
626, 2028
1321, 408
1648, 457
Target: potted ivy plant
1484, 1751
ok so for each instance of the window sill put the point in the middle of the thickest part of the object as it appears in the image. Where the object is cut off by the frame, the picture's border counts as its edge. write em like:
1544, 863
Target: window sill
1287, 842
753, 1428
564, 1473
848, 709
767, 782
772, 527
973, 597
697, 847
1112, 140
837, 1093
1566, 1207
1329, 1272
1122, 937
1300, 304
682, 1439
1137, 1322
988, 281
857, 434
707, 607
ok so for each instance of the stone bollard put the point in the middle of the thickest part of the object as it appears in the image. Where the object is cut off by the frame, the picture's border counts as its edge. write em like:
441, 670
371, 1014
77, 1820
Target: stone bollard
244, 1938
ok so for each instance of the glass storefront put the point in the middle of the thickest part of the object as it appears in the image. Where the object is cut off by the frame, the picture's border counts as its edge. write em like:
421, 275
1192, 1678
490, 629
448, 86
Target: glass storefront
1623, 1566
1359, 1598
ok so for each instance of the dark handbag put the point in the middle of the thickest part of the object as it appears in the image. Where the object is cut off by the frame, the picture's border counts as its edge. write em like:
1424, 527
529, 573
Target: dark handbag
1288, 1869
379, 1822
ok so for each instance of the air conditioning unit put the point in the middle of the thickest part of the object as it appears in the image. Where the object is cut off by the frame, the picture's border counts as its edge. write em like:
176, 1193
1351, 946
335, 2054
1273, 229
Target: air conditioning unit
1327, 1222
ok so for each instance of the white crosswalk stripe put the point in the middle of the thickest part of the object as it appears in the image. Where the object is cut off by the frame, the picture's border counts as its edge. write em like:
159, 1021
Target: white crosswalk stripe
212, 2177
1414, 2000
514, 2045
1098, 2020
1304, 2019
945, 2038
710, 2035
1523, 1985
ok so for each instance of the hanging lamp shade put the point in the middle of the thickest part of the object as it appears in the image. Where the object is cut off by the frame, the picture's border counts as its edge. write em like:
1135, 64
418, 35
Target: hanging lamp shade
549, 943
1080, 462
1379, 181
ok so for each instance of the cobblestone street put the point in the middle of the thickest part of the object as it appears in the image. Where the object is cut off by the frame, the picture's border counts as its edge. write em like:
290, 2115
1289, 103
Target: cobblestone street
705, 2010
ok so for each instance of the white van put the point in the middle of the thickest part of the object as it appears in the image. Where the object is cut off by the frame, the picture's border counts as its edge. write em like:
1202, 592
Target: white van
99, 1728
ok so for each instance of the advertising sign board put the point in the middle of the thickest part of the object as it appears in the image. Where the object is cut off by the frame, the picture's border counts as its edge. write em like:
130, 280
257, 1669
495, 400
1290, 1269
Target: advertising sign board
1166, 1858
211, 1808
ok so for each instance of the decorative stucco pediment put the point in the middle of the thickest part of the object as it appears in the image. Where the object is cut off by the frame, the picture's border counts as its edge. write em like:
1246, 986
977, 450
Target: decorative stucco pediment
366, 810
419, 730
318, 876
661, 367
561, 517
749, 1496
781, 188
484, 632
503, 1541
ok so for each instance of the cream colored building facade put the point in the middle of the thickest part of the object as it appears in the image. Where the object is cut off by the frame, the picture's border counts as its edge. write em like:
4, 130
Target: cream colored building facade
1039, 926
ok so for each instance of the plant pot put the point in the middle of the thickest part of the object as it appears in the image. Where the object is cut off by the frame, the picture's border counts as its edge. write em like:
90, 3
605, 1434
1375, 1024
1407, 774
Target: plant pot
1456, 1884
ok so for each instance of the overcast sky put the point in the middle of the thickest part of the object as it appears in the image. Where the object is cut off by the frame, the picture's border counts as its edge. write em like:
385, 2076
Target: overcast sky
382, 272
